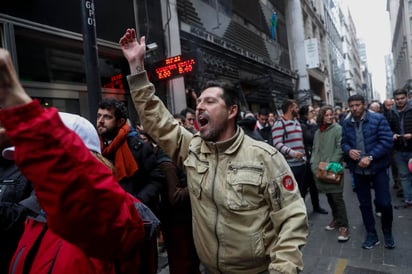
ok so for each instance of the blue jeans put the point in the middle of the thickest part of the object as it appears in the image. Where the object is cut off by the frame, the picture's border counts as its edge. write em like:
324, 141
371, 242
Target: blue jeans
380, 183
401, 160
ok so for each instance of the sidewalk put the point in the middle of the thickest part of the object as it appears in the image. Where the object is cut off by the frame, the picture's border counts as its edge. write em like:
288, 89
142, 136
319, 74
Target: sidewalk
323, 254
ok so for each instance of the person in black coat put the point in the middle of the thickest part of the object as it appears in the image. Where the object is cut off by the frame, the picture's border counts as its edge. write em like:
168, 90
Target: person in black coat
175, 214
263, 126
14, 188
309, 128
136, 166
248, 124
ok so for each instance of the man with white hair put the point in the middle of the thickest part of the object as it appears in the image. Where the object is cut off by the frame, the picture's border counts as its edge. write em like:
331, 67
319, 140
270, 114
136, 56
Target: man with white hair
375, 107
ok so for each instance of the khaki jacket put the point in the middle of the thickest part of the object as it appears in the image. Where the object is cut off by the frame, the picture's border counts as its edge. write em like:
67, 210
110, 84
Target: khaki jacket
248, 215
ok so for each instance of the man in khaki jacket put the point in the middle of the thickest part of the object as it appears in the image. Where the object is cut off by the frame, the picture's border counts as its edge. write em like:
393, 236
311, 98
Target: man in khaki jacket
248, 216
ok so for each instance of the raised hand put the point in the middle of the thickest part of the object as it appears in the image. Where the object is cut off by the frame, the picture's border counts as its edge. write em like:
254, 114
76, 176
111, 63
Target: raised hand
11, 91
133, 50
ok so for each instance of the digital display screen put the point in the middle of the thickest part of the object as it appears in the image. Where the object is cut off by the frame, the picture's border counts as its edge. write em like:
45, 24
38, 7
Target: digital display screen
173, 67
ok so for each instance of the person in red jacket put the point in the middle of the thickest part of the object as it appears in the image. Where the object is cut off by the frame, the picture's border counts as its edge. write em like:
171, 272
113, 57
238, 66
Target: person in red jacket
85, 222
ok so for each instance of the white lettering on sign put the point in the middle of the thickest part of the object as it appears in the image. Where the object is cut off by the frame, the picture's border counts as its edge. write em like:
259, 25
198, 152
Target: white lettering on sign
90, 19
229, 46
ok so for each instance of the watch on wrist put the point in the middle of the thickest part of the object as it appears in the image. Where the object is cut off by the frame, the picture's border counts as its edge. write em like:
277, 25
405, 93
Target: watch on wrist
370, 157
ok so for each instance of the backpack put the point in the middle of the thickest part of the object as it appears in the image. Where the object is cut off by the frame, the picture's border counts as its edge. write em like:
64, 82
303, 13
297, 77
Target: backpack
285, 133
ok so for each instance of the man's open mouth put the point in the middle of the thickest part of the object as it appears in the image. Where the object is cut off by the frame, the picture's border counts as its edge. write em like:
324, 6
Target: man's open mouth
202, 120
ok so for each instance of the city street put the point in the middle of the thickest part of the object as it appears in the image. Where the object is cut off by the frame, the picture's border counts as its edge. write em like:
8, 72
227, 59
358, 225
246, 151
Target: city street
324, 254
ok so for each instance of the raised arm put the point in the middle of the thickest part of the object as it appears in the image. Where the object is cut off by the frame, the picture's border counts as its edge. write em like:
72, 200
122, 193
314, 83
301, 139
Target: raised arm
83, 202
133, 50
155, 117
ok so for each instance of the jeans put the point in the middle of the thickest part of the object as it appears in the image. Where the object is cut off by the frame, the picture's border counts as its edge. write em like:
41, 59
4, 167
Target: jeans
299, 174
401, 160
380, 183
309, 182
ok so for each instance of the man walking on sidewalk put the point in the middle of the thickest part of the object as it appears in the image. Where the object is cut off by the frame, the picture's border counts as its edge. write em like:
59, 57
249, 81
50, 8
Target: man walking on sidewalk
367, 143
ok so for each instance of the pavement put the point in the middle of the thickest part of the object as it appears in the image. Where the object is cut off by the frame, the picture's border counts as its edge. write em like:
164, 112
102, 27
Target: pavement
324, 254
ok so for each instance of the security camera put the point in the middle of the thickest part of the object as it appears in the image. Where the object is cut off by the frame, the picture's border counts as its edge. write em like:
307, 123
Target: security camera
151, 47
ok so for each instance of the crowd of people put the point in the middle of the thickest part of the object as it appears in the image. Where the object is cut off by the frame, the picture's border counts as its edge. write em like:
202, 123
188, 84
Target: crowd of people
224, 188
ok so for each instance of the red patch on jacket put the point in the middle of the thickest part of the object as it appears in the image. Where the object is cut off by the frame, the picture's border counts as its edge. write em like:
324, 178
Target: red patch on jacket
287, 183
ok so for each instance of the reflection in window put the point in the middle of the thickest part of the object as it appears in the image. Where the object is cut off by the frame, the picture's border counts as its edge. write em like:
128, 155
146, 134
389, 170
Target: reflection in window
1, 35
64, 105
54, 59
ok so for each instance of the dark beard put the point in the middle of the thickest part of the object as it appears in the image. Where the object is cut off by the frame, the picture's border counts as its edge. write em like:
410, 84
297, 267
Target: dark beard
109, 135
215, 133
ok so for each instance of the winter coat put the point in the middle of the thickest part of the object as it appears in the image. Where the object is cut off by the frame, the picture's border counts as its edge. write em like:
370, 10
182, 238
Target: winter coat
248, 124
248, 216
327, 148
308, 131
377, 137
93, 225
399, 127
14, 187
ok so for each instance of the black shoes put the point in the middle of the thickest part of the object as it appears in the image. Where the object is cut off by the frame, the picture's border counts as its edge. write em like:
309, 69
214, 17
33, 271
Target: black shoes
320, 210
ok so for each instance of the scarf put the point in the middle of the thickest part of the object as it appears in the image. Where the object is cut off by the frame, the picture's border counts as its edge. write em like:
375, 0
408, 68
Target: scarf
323, 127
124, 163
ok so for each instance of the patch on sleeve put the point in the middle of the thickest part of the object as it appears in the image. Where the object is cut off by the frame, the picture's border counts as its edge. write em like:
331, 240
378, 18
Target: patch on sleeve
287, 183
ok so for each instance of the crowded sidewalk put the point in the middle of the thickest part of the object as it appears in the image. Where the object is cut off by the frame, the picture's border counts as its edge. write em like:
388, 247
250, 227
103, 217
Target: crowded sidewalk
323, 254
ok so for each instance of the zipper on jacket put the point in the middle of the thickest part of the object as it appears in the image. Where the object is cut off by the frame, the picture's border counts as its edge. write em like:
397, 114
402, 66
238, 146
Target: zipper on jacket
217, 209
16, 261
55, 257
236, 168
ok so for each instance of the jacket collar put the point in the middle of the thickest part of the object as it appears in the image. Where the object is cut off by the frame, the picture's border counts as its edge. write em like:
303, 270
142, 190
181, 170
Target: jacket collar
363, 118
227, 147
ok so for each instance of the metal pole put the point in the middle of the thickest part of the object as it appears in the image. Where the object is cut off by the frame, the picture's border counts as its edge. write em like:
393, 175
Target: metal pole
91, 59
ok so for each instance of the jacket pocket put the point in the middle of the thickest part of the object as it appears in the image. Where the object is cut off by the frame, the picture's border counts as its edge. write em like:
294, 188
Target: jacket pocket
244, 187
196, 170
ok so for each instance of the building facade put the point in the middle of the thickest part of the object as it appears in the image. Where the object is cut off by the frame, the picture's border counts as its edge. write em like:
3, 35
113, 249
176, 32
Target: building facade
400, 14
270, 50
46, 44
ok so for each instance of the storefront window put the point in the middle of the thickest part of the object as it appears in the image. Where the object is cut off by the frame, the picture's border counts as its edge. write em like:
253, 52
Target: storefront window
2, 35
64, 105
44, 57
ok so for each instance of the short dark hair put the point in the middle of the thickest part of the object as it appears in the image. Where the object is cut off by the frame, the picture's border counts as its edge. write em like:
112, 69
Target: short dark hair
230, 95
303, 111
120, 110
179, 116
184, 111
356, 97
263, 111
286, 104
400, 91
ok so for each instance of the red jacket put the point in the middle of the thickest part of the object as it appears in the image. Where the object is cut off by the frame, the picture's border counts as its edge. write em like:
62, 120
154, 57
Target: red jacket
84, 204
